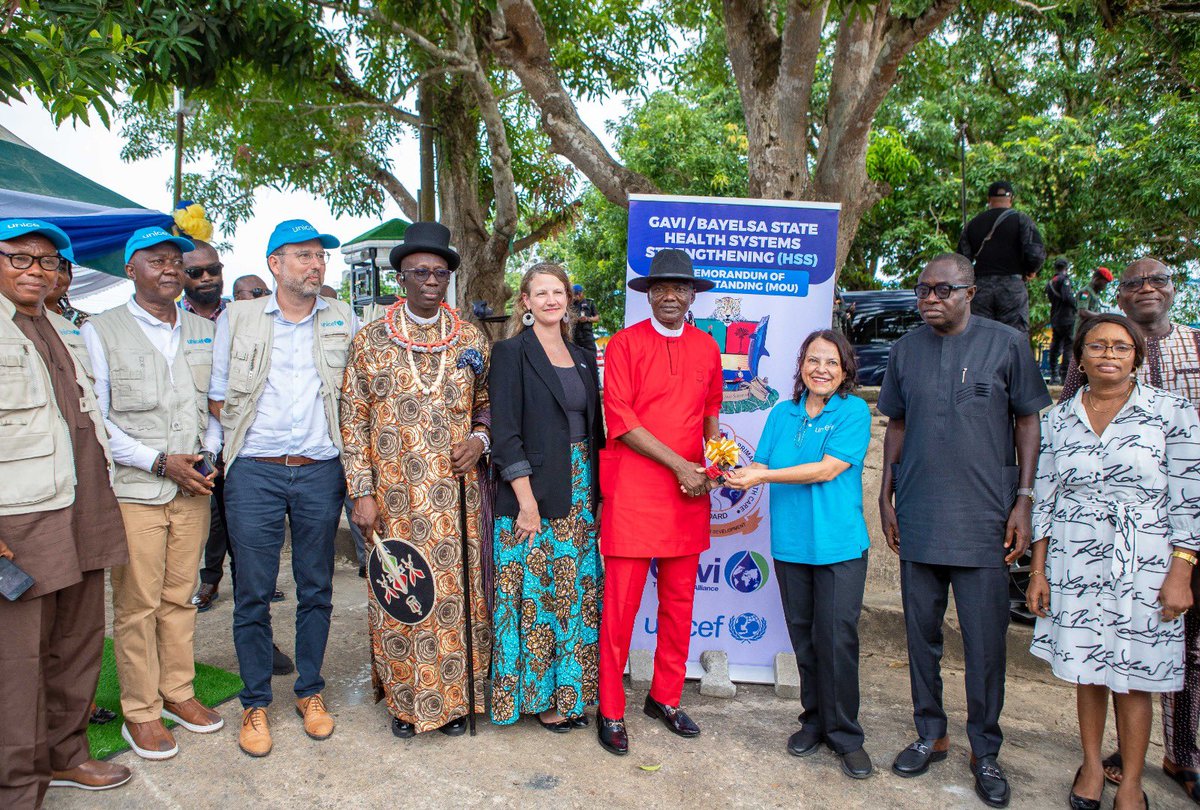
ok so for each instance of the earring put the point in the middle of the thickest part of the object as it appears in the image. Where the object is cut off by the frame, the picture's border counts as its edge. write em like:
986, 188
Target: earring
527, 318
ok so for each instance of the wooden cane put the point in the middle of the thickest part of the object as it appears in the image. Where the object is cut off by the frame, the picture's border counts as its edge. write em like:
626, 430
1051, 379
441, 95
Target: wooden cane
466, 568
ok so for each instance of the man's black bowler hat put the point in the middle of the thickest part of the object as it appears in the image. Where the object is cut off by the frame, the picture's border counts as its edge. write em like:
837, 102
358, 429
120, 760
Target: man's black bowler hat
670, 265
425, 237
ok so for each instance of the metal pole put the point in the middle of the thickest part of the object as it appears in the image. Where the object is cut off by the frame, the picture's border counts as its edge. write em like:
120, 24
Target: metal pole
179, 115
427, 198
466, 570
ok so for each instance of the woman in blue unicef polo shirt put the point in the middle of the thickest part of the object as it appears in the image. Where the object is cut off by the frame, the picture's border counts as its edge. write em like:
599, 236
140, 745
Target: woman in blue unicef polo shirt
811, 453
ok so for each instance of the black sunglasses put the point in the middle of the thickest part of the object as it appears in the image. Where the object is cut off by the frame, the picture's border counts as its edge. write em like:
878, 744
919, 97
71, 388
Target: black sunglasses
213, 270
255, 292
942, 291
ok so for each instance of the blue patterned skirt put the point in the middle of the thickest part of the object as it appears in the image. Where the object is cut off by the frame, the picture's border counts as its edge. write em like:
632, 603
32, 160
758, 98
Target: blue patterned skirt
547, 610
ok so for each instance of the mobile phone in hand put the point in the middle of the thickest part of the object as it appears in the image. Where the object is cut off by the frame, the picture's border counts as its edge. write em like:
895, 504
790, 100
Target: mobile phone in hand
204, 466
13, 581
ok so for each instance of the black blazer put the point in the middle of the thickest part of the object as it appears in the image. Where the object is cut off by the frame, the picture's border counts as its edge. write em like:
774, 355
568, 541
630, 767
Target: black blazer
530, 434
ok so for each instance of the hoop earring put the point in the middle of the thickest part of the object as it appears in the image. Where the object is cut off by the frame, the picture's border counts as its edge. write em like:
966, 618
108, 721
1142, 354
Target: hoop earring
527, 318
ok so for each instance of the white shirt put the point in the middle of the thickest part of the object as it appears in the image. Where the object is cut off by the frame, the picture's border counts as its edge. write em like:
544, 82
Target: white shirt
164, 337
664, 331
290, 417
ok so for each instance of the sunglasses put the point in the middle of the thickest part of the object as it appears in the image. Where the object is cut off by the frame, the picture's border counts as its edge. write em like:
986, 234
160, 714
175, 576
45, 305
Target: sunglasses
213, 270
1158, 282
253, 292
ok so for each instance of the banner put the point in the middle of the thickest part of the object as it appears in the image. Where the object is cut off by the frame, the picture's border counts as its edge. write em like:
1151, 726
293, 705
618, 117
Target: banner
773, 263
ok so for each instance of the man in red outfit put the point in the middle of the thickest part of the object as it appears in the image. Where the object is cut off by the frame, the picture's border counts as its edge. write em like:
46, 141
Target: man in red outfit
662, 397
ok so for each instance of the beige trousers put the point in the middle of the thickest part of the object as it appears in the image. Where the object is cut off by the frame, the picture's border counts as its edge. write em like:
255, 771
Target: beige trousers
153, 618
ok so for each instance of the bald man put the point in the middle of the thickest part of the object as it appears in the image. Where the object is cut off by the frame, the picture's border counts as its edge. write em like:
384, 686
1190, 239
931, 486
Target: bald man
1145, 294
247, 288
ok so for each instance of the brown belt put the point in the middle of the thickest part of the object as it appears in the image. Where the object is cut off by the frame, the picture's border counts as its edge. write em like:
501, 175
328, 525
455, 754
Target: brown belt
287, 461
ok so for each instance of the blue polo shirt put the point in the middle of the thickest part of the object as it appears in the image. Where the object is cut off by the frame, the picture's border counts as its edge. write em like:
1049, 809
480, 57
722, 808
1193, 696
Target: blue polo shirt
817, 524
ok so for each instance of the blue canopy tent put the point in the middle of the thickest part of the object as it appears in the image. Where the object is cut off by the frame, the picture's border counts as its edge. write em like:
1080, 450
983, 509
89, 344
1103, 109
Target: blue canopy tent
98, 220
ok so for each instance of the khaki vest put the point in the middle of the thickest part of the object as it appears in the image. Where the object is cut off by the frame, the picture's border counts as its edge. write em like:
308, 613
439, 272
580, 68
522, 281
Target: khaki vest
37, 462
167, 416
251, 338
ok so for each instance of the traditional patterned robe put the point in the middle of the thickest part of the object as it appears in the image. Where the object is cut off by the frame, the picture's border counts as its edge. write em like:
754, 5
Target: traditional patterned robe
398, 444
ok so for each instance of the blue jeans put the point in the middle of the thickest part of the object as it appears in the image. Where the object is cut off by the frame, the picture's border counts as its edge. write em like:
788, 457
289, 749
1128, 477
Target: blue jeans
258, 495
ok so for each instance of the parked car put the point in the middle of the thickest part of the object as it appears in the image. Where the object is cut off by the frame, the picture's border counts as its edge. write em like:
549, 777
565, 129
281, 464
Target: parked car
876, 320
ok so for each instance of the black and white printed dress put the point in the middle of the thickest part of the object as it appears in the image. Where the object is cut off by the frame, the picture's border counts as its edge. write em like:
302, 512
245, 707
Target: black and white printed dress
1113, 506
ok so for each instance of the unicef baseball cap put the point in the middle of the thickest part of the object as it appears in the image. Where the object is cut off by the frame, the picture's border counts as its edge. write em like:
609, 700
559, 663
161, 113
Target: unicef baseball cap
149, 237
298, 230
13, 228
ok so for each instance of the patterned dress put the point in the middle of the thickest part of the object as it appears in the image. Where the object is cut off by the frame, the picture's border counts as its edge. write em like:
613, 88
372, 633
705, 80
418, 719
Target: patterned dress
547, 616
398, 443
1113, 506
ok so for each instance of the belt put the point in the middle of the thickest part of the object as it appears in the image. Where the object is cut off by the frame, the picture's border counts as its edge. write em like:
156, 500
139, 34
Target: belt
287, 461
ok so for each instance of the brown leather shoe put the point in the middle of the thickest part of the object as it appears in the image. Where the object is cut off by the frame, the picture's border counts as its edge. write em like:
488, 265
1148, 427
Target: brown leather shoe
193, 715
255, 736
318, 722
204, 598
92, 774
150, 740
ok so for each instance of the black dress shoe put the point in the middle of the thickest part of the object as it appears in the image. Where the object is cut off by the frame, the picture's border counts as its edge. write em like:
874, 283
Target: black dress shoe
455, 727
579, 722
673, 717
991, 784
561, 727
204, 598
612, 735
277, 596
280, 663
916, 759
403, 730
1077, 802
804, 742
857, 764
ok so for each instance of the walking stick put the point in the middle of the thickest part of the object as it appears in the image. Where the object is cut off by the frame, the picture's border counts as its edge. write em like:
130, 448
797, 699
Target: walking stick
466, 571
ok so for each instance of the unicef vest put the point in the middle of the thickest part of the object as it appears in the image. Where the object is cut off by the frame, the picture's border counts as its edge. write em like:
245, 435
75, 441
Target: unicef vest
251, 338
164, 409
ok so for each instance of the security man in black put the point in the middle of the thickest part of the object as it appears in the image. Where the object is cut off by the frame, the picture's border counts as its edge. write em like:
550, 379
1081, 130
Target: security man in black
962, 394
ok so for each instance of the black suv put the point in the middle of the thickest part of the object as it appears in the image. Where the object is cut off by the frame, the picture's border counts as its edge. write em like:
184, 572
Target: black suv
879, 319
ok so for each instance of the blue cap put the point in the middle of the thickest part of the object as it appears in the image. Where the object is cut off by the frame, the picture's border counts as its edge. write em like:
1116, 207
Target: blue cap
149, 237
12, 228
298, 230
578, 288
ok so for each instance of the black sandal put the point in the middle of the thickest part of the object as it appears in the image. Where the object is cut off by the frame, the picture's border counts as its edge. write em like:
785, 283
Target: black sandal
1113, 763
1187, 779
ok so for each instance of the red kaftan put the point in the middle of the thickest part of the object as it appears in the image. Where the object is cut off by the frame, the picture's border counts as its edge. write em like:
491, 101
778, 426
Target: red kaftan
668, 386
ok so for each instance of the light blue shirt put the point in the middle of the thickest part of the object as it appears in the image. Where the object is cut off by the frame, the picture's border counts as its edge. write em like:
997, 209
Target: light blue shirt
290, 418
817, 524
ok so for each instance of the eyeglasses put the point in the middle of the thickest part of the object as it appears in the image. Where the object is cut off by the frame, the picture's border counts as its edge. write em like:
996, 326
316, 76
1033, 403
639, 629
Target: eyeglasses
942, 291
422, 273
1158, 282
1119, 350
310, 256
23, 261
213, 270
253, 292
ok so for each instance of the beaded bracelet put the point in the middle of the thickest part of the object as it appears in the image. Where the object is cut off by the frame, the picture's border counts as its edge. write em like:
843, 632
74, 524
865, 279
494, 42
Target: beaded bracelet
483, 437
160, 465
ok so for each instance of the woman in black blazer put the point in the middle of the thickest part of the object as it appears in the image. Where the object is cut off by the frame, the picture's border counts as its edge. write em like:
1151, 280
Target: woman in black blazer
547, 432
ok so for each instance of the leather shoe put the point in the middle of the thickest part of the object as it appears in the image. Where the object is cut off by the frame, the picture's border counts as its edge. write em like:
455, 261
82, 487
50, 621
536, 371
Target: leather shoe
673, 717
318, 722
1077, 802
280, 663
579, 722
857, 764
991, 784
561, 727
804, 742
403, 730
612, 735
918, 756
150, 740
255, 736
193, 715
205, 597
455, 728
92, 774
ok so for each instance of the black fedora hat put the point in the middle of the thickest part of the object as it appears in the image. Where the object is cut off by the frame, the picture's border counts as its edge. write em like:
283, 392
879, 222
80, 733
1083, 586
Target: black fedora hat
670, 265
425, 237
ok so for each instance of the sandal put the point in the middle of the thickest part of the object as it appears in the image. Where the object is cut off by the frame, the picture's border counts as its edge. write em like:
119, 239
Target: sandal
1112, 768
1186, 778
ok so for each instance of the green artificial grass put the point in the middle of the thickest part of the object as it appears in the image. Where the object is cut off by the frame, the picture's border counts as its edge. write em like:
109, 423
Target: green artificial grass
213, 687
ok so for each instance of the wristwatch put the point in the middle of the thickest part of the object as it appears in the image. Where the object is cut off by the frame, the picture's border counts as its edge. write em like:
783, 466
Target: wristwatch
1026, 491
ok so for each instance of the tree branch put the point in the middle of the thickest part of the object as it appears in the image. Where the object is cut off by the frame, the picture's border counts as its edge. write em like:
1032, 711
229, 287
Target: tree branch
554, 224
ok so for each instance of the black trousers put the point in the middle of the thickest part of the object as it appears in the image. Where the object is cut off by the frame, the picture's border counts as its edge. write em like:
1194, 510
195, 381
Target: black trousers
1004, 299
218, 539
821, 604
1060, 346
981, 595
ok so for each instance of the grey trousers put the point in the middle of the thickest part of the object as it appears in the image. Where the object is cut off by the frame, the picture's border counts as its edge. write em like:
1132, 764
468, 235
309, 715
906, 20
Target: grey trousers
981, 596
821, 604
1004, 299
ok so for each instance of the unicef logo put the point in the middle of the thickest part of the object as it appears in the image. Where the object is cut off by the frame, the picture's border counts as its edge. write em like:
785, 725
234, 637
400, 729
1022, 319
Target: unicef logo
747, 627
200, 341
747, 571
333, 323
